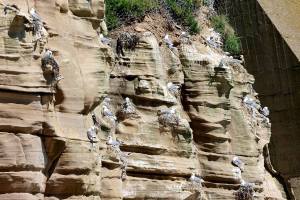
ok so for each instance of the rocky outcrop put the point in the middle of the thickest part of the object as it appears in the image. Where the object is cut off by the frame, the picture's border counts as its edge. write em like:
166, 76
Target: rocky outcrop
45, 151
222, 126
42, 125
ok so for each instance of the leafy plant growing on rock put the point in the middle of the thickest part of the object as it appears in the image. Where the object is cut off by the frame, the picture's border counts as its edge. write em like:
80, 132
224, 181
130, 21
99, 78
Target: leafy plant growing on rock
232, 44
219, 22
231, 41
126, 11
183, 11
119, 12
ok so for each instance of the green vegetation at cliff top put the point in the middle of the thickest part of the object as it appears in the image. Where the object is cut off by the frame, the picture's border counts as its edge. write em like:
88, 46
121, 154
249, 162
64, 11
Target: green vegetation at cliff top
120, 12
231, 41
125, 11
183, 11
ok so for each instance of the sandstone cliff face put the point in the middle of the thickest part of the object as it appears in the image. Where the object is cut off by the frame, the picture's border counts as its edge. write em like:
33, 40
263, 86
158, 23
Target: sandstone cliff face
44, 149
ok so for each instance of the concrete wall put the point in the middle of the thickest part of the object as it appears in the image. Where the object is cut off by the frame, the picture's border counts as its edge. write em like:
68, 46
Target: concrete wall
270, 52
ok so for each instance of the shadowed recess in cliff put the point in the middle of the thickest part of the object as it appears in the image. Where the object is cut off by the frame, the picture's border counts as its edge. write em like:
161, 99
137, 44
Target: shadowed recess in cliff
270, 40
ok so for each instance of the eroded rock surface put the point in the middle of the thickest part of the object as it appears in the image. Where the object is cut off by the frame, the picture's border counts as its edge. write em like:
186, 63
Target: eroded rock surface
45, 152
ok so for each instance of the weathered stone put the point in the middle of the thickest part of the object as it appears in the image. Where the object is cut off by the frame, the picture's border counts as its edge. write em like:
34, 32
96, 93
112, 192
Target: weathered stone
44, 149
83, 8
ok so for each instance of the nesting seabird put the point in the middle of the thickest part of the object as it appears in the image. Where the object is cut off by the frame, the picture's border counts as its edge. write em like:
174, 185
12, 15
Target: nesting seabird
113, 143
34, 15
104, 40
47, 57
173, 89
248, 100
168, 41
127, 101
196, 179
237, 162
265, 111
106, 101
48, 54
223, 63
128, 107
246, 184
173, 111
92, 134
108, 113
184, 34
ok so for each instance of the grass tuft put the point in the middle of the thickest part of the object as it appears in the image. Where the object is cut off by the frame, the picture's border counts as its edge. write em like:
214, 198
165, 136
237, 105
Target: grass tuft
183, 11
232, 44
126, 11
231, 41
119, 12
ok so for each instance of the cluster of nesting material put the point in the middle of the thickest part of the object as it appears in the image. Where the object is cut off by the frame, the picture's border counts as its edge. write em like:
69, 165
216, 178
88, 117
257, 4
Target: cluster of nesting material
127, 110
214, 40
128, 41
246, 191
106, 110
168, 118
48, 59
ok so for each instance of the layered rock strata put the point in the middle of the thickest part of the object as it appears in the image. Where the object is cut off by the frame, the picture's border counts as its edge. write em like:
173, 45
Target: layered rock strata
45, 151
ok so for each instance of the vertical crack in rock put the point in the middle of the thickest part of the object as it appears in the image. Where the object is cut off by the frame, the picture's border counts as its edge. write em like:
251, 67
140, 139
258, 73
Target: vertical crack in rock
277, 175
55, 147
